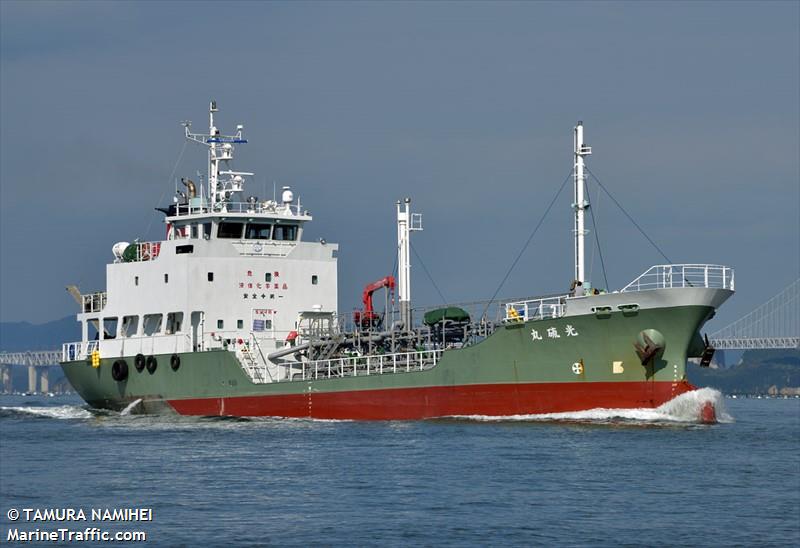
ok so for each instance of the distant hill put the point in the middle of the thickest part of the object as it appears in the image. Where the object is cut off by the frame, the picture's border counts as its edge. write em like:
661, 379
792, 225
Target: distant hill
20, 336
759, 372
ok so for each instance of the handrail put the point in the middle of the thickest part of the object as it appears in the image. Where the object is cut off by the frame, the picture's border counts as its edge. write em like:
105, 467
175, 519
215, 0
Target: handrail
199, 207
79, 350
671, 276
94, 302
147, 251
261, 354
355, 366
535, 309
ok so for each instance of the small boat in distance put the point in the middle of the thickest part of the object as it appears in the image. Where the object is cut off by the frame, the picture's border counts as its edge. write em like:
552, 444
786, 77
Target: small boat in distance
234, 313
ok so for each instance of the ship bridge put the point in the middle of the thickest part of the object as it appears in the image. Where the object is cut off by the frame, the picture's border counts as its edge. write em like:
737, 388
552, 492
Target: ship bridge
232, 272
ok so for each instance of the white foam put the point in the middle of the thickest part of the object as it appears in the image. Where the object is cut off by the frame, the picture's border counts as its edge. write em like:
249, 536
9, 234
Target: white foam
684, 408
130, 407
56, 412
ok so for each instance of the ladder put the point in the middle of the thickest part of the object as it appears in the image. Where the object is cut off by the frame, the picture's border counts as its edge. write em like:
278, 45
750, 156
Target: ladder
250, 364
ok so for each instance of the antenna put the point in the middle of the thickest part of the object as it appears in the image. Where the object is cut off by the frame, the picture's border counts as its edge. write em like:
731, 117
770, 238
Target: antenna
222, 183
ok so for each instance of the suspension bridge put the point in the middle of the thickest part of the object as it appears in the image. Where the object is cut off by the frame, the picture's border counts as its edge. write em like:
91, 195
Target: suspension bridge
774, 324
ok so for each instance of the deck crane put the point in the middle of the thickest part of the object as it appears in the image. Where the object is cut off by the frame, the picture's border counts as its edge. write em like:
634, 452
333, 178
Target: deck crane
367, 318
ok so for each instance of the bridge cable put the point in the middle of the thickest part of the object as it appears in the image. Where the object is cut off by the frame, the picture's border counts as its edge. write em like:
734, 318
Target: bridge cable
527, 242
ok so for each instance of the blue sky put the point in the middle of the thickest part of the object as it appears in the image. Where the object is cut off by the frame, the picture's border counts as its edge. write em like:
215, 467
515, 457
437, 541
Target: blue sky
691, 108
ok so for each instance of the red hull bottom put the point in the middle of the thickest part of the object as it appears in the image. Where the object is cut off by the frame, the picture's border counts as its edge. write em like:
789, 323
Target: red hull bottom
441, 401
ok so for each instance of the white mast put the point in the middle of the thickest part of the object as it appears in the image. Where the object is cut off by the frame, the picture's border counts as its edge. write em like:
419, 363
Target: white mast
580, 203
213, 163
220, 149
406, 223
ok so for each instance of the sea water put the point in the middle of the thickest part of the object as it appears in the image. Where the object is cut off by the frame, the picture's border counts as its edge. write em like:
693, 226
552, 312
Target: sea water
601, 477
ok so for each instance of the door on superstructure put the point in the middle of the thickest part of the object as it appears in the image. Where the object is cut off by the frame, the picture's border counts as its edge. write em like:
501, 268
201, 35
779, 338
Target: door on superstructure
197, 331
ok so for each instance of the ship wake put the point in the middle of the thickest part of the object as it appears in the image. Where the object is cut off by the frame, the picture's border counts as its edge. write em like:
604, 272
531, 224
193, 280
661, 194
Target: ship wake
683, 409
63, 412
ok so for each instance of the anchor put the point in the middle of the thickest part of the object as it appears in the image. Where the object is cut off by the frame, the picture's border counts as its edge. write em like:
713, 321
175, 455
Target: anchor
648, 350
708, 353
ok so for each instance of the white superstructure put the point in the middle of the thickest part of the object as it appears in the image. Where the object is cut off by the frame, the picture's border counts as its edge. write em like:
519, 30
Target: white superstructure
232, 272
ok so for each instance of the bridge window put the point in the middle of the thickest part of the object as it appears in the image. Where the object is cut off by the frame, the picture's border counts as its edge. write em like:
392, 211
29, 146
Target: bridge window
258, 231
110, 328
210, 276
174, 322
207, 231
152, 324
194, 232
220, 324
230, 230
285, 233
314, 279
181, 249
130, 326
239, 324
268, 277
166, 278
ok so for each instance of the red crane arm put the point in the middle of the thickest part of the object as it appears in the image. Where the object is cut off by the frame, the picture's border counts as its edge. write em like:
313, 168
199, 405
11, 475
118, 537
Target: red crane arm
366, 297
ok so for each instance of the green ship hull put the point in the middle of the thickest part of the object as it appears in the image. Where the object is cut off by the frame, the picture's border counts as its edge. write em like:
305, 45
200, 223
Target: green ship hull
555, 365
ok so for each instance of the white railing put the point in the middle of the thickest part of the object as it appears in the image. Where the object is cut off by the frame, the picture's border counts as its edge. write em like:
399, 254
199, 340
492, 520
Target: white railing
535, 309
197, 206
669, 276
71, 351
147, 251
94, 302
128, 346
252, 359
78, 350
353, 366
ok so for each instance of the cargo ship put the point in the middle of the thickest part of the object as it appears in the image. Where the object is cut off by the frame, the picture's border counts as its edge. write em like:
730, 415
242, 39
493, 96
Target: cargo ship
234, 313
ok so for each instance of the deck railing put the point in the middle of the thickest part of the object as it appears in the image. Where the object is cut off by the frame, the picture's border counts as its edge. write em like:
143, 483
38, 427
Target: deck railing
359, 366
147, 251
535, 309
94, 302
669, 276
128, 346
199, 206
